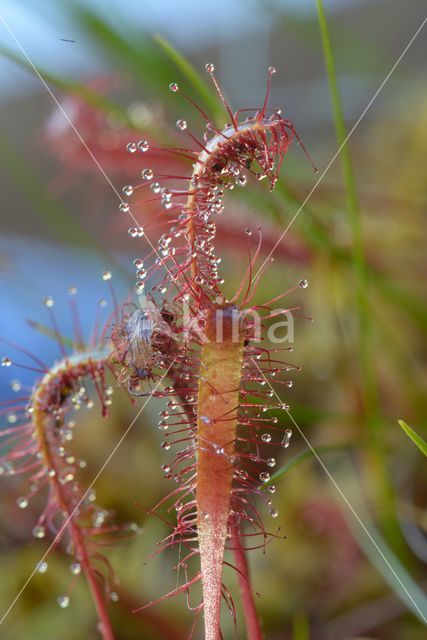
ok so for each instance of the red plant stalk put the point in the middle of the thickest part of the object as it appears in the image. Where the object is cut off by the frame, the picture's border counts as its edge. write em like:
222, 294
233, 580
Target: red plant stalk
251, 617
218, 399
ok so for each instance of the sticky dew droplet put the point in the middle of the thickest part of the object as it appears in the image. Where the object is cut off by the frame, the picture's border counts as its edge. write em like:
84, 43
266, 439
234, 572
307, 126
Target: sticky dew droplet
287, 438
63, 601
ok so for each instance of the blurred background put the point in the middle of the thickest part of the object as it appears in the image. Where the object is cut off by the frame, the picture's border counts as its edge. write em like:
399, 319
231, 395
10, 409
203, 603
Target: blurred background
363, 364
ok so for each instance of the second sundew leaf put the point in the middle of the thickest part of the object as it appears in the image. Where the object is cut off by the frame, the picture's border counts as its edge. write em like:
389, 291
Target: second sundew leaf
218, 401
39, 445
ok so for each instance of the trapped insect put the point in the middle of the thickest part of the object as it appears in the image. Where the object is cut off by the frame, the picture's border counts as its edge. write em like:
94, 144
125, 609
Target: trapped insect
142, 341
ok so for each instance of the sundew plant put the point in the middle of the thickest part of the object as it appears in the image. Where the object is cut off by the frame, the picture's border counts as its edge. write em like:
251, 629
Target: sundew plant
207, 353
212, 349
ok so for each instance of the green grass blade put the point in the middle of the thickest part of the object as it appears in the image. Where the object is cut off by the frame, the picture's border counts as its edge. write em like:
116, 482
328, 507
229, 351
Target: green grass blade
352, 206
379, 553
416, 439
368, 381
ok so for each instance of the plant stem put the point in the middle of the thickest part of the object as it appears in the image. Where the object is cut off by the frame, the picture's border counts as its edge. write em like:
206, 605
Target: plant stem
218, 399
41, 418
104, 626
253, 628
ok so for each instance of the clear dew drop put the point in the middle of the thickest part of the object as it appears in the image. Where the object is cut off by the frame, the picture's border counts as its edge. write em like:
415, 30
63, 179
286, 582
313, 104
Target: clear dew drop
287, 438
133, 232
165, 445
274, 513
114, 597
12, 418
128, 190
271, 70
6, 362
147, 174
210, 68
63, 601
173, 87
155, 187
303, 284
39, 531
264, 476
131, 147
22, 502
181, 124
140, 286
271, 489
42, 566
106, 275
76, 568
124, 207
15, 385
271, 462
143, 146
266, 437
48, 301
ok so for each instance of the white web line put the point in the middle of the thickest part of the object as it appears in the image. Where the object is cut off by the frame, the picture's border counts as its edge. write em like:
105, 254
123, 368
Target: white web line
343, 496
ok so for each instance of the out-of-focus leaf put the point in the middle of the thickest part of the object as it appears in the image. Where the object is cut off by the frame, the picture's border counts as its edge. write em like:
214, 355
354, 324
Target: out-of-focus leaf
56, 218
416, 439
60, 222
91, 97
